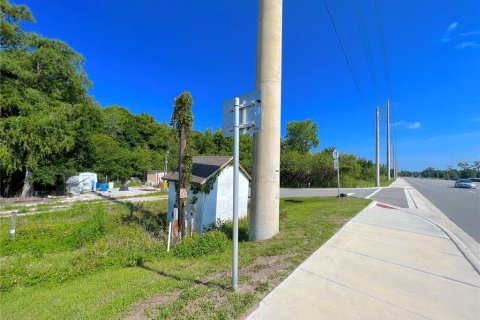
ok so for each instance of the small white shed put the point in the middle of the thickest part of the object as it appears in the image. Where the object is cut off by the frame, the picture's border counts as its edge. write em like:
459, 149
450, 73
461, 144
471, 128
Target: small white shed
212, 178
81, 182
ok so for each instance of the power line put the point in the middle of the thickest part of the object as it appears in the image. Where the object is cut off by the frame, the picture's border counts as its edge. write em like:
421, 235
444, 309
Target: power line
366, 48
350, 67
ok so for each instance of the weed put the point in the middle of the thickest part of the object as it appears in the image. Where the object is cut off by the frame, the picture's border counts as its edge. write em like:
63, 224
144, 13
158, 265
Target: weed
9, 207
263, 287
243, 225
210, 242
91, 229
23, 209
43, 207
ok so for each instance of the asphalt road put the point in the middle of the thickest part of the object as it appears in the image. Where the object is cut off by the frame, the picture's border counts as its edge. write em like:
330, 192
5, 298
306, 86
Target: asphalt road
462, 206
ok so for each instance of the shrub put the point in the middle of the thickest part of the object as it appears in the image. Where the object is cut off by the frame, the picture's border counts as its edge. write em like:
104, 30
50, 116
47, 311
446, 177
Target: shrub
201, 245
243, 226
128, 246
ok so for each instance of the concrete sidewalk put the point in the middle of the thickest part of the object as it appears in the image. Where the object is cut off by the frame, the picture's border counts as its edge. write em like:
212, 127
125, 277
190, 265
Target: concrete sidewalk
384, 264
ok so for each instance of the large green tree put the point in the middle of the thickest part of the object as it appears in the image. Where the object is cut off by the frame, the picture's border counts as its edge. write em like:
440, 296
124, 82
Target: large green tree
42, 81
302, 136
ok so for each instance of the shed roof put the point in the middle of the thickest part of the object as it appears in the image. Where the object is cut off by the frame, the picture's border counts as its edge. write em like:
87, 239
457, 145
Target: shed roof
205, 167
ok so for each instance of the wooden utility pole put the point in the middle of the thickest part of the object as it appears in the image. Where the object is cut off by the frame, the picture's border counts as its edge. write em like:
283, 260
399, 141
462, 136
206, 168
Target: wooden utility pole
182, 120
181, 184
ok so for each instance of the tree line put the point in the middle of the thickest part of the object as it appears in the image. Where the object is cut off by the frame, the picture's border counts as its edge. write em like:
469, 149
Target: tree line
465, 170
50, 127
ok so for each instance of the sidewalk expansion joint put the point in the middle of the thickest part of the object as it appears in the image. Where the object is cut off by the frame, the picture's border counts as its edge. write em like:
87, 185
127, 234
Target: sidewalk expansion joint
423, 234
465, 250
364, 293
402, 265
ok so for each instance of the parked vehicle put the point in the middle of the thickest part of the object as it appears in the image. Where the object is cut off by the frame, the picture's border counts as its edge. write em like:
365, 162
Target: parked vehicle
465, 183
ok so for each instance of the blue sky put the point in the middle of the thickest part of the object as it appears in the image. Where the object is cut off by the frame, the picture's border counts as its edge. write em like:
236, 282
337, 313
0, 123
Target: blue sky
142, 54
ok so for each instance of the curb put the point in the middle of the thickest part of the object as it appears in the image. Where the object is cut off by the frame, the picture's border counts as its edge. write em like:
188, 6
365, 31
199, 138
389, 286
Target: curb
469, 256
458, 243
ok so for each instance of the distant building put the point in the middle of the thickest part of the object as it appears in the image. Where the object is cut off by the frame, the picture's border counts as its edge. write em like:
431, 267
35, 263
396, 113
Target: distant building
81, 182
210, 199
155, 178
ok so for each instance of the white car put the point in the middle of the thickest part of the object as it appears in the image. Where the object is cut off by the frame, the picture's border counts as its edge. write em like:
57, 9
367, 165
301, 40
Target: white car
465, 183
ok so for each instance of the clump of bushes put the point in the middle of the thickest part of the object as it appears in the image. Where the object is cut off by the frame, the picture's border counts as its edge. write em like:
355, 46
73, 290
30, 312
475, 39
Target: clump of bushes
243, 226
204, 244
127, 246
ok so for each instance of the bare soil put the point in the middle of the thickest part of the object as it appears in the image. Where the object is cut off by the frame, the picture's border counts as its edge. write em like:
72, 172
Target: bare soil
149, 308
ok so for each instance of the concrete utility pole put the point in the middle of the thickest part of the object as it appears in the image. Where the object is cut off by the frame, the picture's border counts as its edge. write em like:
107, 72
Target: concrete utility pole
377, 147
396, 171
394, 162
264, 221
388, 140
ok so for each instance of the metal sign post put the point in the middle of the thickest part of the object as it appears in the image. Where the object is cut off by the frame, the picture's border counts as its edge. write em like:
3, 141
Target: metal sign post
249, 107
236, 151
337, 166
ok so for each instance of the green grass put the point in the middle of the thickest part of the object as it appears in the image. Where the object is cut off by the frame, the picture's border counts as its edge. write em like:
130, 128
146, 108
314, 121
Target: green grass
14, 207
40, 207
385, 183
98, 261
371, 183
55, 247
351, 183
150, 194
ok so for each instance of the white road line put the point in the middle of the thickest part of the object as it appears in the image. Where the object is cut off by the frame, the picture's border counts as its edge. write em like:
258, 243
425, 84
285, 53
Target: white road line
373, 193
350, 194
411, 203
